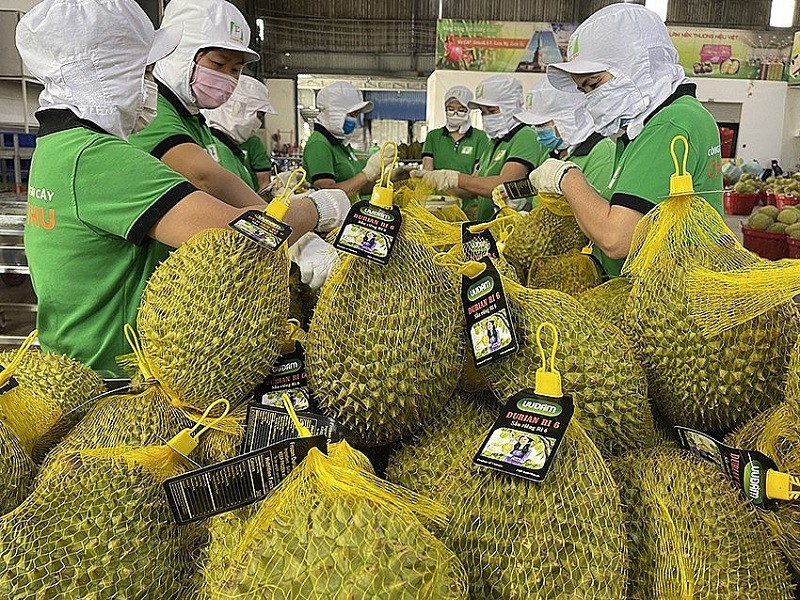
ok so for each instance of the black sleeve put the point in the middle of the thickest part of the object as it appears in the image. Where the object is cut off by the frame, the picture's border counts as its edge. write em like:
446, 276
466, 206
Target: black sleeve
523, 162
168, 144
633, 202
138, 233
319, 176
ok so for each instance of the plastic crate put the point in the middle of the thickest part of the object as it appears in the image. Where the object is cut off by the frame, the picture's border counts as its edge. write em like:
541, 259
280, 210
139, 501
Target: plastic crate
784, 200
794, 247
769, 198
739, 204
772, 246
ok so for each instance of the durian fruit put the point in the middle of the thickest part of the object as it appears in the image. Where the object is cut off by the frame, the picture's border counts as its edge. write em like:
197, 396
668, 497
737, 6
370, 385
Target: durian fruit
608, 301
386, 346
217, 445
96, 527
563, 538
596, 361
703, 382
17, 470
572, 273
52, 396
760, 221
331, 530
302, 298
691, 534
542, 232
213, 315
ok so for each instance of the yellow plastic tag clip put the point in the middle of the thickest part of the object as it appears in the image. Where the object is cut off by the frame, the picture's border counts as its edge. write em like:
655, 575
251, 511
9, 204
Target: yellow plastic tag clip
186, 441
383, 191
472, 269
294, 334
548, 383
782, 486
279, 205
301, 429
680, 184
588, 249
8, 372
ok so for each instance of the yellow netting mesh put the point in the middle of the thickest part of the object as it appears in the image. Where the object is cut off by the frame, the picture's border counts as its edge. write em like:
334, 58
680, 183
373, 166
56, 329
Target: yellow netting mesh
690, 533
609, 388
609, 301
212, 317
97, 526
709, 383
572, 273
563, 538
331, 527
548, 230
385, 347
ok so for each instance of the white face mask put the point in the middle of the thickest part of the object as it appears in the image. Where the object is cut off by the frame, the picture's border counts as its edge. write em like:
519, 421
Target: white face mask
457, 120
614, 102
497, 125
149, 108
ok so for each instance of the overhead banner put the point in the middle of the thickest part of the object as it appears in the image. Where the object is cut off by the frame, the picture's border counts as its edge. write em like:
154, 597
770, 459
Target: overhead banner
507, 47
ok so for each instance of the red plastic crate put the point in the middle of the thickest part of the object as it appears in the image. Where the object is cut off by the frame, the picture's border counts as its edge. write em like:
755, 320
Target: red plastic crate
769, 198
794, 247
784, 200
772, 246
739, 204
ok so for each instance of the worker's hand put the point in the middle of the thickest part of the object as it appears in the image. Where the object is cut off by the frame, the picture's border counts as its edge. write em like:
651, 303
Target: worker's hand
373, 167
332, 207
278, 183
441, 180
401, 173
315, 257
547, 177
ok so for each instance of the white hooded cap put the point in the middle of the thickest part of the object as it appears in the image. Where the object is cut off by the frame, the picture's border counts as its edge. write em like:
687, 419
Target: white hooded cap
90, 55
626, 39
335, 101
501, 90
206, 24
237, 117
461, 93
544, 103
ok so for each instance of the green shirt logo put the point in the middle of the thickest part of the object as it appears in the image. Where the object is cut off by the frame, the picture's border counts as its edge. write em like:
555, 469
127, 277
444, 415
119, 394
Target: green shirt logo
480, 289
499, 156
467, 149
539, 407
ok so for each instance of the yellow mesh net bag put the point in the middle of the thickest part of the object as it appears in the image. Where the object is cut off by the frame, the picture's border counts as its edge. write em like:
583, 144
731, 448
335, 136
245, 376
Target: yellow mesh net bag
98, 526
572, 273
563, 538
332, 530
548, 229
691, 534
609, 301
386, 347
212, 317
709, 383
609, 387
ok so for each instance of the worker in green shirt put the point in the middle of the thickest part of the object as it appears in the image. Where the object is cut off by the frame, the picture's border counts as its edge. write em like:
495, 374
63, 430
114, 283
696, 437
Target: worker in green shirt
202, 73
457, 145
328, 157
623, 60
256, 156
235, 123
513, 151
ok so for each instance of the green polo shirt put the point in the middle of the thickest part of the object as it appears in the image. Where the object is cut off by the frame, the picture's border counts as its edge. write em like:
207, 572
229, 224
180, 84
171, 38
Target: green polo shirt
174, 125
92, 198
641, 176
461, 155
595, 156
255, 155
232, 158
326, 157
518, 145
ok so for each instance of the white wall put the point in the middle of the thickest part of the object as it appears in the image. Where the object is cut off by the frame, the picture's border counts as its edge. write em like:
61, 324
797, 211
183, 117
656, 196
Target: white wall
282, 98
768, 126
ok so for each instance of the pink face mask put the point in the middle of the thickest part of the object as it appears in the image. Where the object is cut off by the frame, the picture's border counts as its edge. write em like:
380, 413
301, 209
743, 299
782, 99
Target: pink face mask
211, 88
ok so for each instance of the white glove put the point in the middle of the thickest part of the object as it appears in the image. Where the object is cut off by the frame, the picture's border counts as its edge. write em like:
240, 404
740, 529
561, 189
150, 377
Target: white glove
332, 207
401, 173
315, 257
441, 180
547, 177
373, 167
278, 182
517, 203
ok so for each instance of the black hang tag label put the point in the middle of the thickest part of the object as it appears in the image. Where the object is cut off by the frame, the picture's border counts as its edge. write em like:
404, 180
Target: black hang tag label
288, 376
267, 425
236, 482
526, 436
521, 188
370, 232
259, 227
490, 330
478, 245
10, 384
747, 469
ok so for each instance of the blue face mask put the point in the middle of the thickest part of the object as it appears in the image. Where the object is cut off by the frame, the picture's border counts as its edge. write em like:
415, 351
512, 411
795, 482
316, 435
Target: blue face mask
349, 125
547, 137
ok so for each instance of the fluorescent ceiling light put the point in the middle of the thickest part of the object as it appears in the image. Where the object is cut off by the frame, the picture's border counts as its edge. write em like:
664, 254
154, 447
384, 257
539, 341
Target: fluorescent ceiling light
659, 7
782, 13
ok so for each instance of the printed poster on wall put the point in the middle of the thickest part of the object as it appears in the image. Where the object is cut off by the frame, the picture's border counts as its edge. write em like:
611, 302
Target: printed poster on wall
794, 62
507, 47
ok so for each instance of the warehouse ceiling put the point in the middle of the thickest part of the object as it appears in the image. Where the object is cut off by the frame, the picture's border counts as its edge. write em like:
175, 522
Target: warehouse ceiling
398, 37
